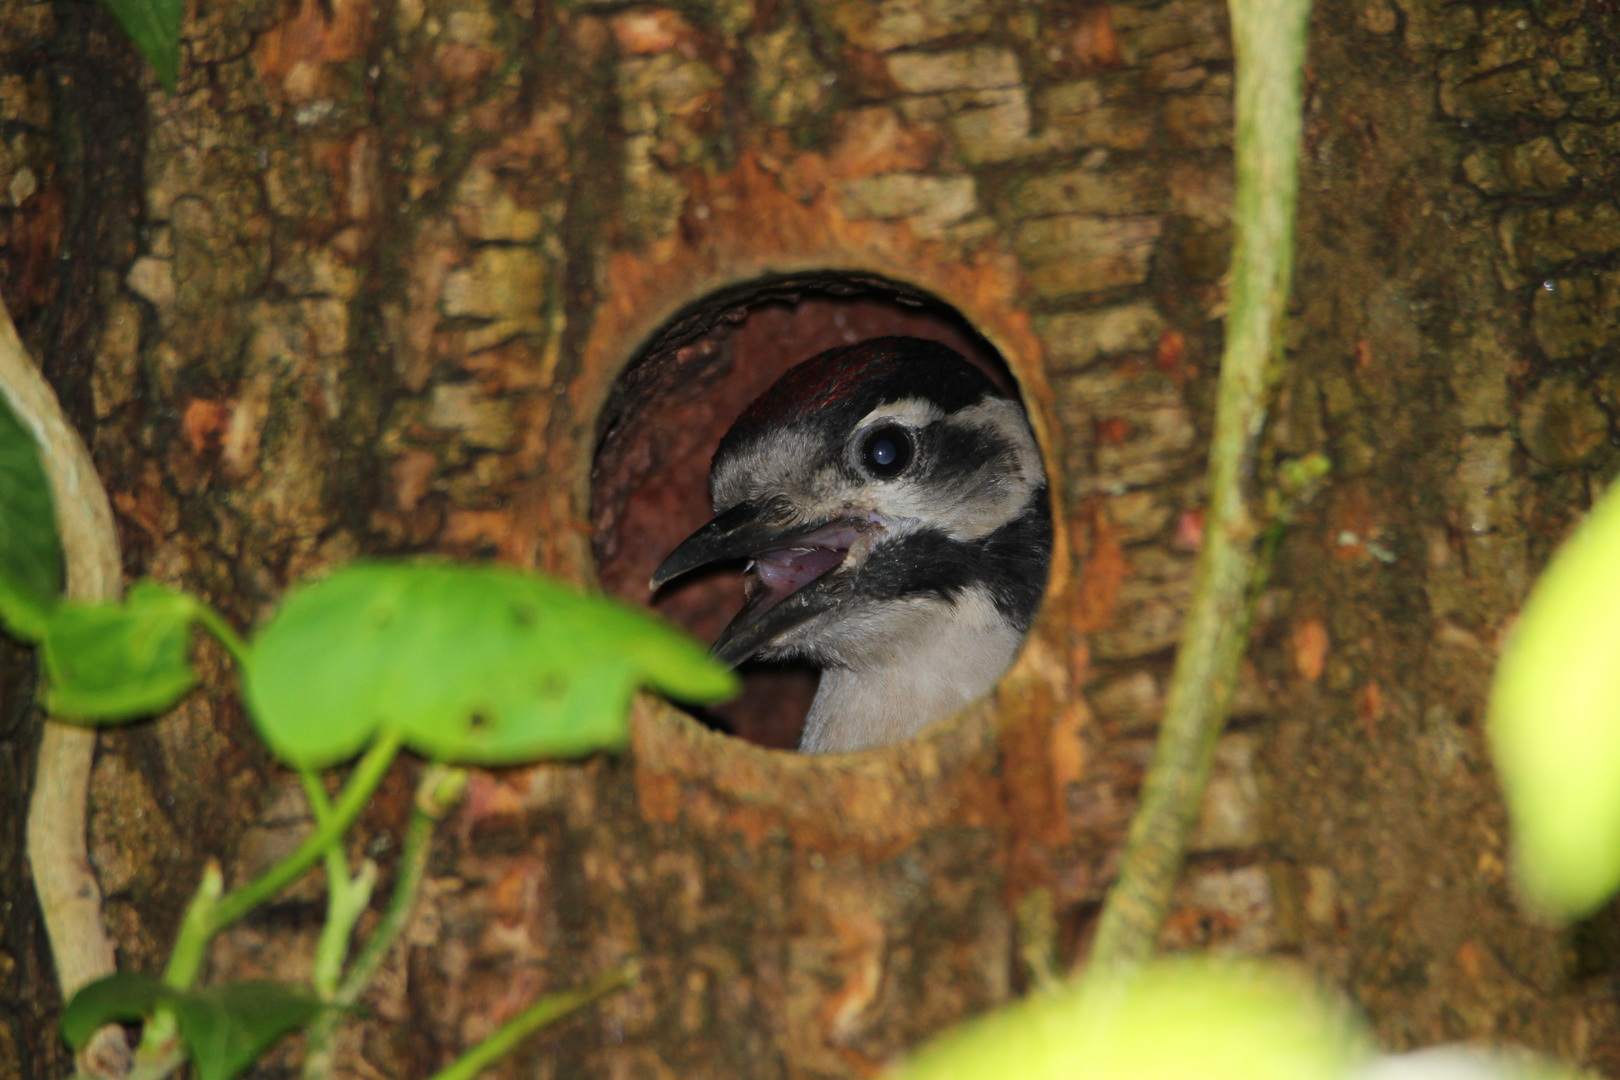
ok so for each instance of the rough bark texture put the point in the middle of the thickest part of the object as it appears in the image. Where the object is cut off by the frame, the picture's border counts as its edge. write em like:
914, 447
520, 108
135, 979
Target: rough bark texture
388, 260
1456, 358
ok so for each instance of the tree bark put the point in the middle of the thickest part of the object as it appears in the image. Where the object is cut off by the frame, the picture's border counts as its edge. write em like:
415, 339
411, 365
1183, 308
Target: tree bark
385, 264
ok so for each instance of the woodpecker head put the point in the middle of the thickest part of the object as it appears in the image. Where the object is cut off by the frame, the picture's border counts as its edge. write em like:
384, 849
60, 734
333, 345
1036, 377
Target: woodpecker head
883, 494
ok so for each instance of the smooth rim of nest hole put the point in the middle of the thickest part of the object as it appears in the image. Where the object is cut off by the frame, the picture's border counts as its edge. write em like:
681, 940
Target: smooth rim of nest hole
747, 296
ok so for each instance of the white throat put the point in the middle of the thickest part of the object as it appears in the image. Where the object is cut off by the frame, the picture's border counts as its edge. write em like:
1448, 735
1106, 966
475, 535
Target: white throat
915, 662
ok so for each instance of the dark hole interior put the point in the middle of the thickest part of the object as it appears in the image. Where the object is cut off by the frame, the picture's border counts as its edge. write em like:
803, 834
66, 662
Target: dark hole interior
666, 415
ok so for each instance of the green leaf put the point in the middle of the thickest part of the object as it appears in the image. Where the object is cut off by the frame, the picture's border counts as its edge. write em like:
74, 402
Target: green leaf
1554, 722
1198, 1019
481, 665
227, 1028
118, 997
154, 27
30, 553
119, 661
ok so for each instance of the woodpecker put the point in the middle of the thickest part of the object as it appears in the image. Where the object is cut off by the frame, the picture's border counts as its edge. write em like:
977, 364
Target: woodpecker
893, 509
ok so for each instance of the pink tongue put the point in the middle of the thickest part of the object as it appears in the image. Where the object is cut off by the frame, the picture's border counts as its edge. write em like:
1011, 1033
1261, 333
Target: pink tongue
787, 571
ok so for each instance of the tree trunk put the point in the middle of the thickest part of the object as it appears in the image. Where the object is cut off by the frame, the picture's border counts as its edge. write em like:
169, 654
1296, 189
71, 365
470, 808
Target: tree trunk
367, 283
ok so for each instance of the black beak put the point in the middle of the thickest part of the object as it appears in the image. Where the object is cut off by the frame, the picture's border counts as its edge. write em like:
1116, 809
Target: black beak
796, 570
739, 533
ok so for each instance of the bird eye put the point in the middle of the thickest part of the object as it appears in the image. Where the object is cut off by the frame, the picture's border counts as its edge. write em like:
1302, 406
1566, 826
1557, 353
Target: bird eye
886, 451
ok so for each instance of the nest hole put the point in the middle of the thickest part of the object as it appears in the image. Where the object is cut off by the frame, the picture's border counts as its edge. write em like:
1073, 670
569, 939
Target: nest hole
665, 416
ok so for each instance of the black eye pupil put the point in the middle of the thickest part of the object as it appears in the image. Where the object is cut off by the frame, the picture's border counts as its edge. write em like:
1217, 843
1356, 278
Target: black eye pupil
886, 452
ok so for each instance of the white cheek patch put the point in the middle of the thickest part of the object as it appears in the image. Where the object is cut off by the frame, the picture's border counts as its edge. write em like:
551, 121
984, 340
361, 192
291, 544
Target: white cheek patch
978, 502
781, 463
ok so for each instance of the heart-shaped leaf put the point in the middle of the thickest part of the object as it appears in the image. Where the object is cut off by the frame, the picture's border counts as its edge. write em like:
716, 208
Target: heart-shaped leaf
116, 662
469, 664
1555, 722
30, 553
154, 27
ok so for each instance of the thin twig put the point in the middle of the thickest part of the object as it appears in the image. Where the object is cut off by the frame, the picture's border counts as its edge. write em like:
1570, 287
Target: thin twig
439, 790
69, 895
208, 917
548, 1010
1269, 43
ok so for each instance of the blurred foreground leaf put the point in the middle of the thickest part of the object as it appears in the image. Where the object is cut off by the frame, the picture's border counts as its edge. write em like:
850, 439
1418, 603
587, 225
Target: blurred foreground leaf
30, 554
154, 27
112, 662
481, 665
225, 1028
1555, 722
121, 997
1465, 1062
1203, 1019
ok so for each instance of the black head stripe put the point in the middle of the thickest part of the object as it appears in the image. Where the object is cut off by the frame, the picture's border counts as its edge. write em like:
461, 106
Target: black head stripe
1010, 562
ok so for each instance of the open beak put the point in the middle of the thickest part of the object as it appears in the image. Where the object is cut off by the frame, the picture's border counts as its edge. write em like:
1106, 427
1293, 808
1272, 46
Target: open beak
791, 578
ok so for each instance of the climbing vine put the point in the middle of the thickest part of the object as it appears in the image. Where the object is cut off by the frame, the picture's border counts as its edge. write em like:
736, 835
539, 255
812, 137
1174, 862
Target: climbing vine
460, 664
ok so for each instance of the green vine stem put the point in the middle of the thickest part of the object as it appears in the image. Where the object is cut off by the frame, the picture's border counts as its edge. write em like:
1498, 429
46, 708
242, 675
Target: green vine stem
548, 1010
346, 897
224, 633
439, 791
1269, 44
206, 917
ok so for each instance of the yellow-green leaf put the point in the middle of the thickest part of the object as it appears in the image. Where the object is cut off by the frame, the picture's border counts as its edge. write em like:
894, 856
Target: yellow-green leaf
1190, 1019
1555, 722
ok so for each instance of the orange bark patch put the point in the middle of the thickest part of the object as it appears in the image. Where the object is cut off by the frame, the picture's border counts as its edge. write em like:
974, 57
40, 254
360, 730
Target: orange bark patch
659, 796
512, 897
1113, 431
147, 506
412, 474
463, 64
1104, 573
1369, 707
35, 234
1196, 926
476, 528
1470, 959
1189, 531
488, 797
1310, 648
1093, 41
1067, 751
289, 52
649, 31
1364, 358
872, 141
1171, 351
204, 423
